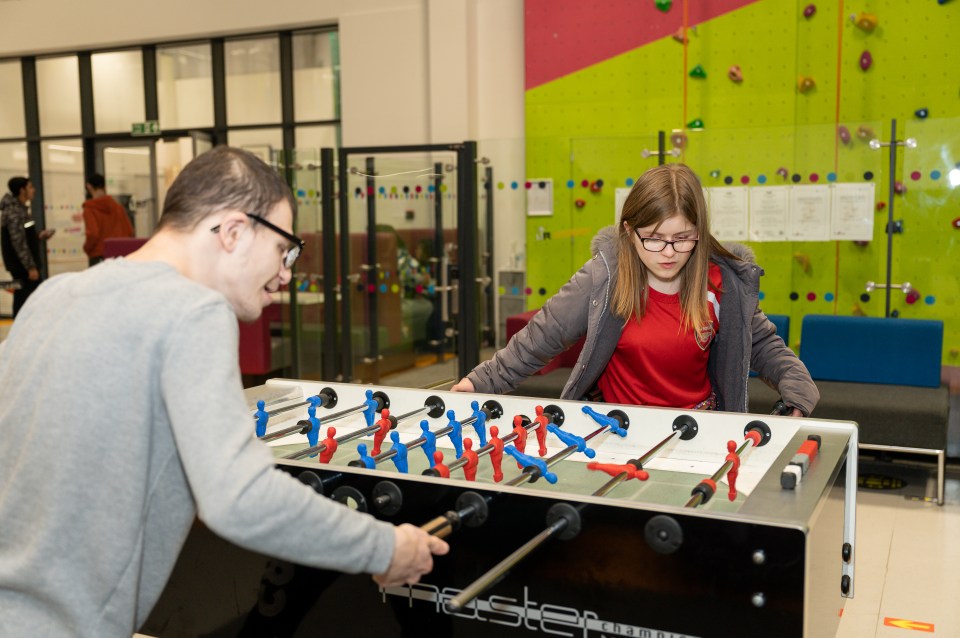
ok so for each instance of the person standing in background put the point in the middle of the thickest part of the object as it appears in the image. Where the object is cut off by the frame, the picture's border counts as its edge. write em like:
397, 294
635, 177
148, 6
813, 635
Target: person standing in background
103, 217
20, 240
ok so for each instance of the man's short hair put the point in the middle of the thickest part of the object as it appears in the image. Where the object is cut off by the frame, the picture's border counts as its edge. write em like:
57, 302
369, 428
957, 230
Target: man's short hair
97, 181
17, 184
223, 178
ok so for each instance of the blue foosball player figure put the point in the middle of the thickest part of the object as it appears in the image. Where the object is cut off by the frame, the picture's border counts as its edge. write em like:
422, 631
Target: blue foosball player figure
262, 417
400, 452
365, 458
314, 434
429, 442
456, 433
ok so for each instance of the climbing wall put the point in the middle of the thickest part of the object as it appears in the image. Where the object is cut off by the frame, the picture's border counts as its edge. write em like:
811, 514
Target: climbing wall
762, 92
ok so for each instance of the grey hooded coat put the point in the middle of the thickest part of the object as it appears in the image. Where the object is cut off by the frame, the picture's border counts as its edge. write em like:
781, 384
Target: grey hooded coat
747, 339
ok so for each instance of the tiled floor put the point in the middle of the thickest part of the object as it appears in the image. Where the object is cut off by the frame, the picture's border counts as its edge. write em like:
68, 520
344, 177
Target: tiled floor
908, 559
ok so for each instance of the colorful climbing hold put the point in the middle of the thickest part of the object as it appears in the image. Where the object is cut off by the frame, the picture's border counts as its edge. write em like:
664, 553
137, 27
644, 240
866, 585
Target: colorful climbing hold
844, 134
865, 21
697, 72
579, 203
922, 113
866, 61
735, 73
809, 11
899, 188
663, 5
865, 133
881, 206
806, 84
680, 35
715, 173
678, 139
783, 172
697, 123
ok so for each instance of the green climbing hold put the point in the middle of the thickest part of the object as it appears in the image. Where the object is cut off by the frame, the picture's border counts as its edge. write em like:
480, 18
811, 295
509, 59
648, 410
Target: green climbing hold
663, 5
697, 123
698, 72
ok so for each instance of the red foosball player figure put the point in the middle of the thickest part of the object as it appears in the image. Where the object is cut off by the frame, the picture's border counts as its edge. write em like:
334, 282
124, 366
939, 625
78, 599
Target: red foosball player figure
542, 430
331, 445
521, 441
381, 434
473, 460
734, 469
439, 466
496, 453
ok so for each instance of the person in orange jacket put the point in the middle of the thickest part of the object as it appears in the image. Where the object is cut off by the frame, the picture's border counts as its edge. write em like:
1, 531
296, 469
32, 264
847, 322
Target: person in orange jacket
103, 217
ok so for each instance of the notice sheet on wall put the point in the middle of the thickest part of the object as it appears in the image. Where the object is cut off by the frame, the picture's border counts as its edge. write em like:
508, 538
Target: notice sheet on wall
852, 212
728, 213
809, 213
540, 197
768, 212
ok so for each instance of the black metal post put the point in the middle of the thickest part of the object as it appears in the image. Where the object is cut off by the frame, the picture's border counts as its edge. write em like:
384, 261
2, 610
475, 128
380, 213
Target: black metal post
468, 351
373, 317
890, 200
218, 64
330, 287
346, 331
151, 108
489, 317
661, 148
31, 112
438, 251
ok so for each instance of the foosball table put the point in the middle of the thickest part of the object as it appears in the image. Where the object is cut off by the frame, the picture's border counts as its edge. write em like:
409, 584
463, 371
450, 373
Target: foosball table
566, 518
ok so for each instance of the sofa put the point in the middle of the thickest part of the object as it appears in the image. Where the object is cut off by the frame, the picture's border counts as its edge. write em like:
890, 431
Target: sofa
883, 374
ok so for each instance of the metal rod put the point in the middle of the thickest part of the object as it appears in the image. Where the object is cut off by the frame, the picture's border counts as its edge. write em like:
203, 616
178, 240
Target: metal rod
356, 434
286, 408
500, 570
525, 477
698, 497
279, 434
333, 417
530, 427
622, 476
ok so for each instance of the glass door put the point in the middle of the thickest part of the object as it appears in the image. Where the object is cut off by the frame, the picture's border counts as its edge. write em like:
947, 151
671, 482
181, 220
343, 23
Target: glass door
129, 167
402, 293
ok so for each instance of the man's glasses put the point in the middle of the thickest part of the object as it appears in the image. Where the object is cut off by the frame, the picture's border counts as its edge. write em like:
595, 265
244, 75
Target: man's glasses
654, 245
292, 253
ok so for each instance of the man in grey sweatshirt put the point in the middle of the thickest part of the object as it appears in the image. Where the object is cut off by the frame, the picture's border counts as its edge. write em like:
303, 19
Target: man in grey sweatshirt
123, 417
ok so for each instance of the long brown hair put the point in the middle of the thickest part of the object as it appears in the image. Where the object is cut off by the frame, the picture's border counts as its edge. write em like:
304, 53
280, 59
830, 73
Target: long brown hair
661, 193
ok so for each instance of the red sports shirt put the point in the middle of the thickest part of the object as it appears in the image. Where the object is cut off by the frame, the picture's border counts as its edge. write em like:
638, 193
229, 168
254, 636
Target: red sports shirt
656, 364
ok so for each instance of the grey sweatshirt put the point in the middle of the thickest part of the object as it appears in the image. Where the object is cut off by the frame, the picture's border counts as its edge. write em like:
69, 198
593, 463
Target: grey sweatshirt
123, 416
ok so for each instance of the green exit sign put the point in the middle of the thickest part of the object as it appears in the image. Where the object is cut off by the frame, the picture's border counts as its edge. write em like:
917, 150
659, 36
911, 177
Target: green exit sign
150, 127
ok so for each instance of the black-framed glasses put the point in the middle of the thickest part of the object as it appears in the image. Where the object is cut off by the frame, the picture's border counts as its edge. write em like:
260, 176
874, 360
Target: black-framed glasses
292, 253
655, 245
